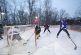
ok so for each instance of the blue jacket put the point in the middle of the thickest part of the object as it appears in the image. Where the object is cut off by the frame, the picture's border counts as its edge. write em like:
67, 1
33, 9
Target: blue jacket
63, 24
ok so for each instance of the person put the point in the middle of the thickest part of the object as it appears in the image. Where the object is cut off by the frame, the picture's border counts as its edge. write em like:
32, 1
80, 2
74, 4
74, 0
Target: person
37, 31
1, 31
63, 26
46, 27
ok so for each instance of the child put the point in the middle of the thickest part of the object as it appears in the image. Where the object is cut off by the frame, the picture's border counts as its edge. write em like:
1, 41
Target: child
46, 27
37, 32
63, 26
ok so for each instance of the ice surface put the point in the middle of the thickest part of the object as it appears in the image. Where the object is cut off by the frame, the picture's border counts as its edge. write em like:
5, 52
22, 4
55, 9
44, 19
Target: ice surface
47, 44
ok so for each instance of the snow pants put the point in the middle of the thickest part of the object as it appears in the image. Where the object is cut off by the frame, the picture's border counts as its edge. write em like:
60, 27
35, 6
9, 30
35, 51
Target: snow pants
65, 30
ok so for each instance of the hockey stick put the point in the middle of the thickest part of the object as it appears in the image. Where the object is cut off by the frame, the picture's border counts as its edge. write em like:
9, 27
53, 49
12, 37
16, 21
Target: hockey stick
73, 43
28, 39
24, 31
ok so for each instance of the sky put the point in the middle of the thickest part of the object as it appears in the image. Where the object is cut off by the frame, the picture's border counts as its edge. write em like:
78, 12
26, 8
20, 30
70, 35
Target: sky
69, 5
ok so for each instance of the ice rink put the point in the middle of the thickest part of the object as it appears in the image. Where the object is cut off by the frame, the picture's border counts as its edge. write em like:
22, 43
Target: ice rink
47, 44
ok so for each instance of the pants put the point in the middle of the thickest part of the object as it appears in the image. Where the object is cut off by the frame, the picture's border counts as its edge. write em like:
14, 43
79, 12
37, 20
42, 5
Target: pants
65, 30
46, 29
37, 35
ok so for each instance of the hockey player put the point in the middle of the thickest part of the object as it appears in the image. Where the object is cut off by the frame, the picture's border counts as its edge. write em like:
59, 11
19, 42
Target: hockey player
46, 27
37, 31
37, 34
63, 26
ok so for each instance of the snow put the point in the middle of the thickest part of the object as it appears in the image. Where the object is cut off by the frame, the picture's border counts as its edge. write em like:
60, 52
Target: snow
60, 46
47, 44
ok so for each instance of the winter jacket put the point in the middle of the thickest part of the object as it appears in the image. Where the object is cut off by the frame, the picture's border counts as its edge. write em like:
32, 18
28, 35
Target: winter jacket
46, 26
63, 24
37, 29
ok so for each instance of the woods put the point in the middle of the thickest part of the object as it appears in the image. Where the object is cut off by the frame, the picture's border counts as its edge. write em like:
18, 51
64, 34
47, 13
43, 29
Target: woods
23, 13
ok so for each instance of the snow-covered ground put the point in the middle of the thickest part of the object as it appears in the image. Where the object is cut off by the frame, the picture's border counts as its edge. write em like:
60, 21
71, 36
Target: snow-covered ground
47, 44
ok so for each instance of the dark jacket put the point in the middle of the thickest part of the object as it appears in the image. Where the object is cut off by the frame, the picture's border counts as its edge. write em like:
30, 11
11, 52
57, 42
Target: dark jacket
46, 26
37, 29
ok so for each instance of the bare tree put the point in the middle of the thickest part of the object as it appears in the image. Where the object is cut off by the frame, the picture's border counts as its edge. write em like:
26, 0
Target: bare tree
5, 8
63, 14
54, 16
13, 12
47, 11
77, 13
31, 5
